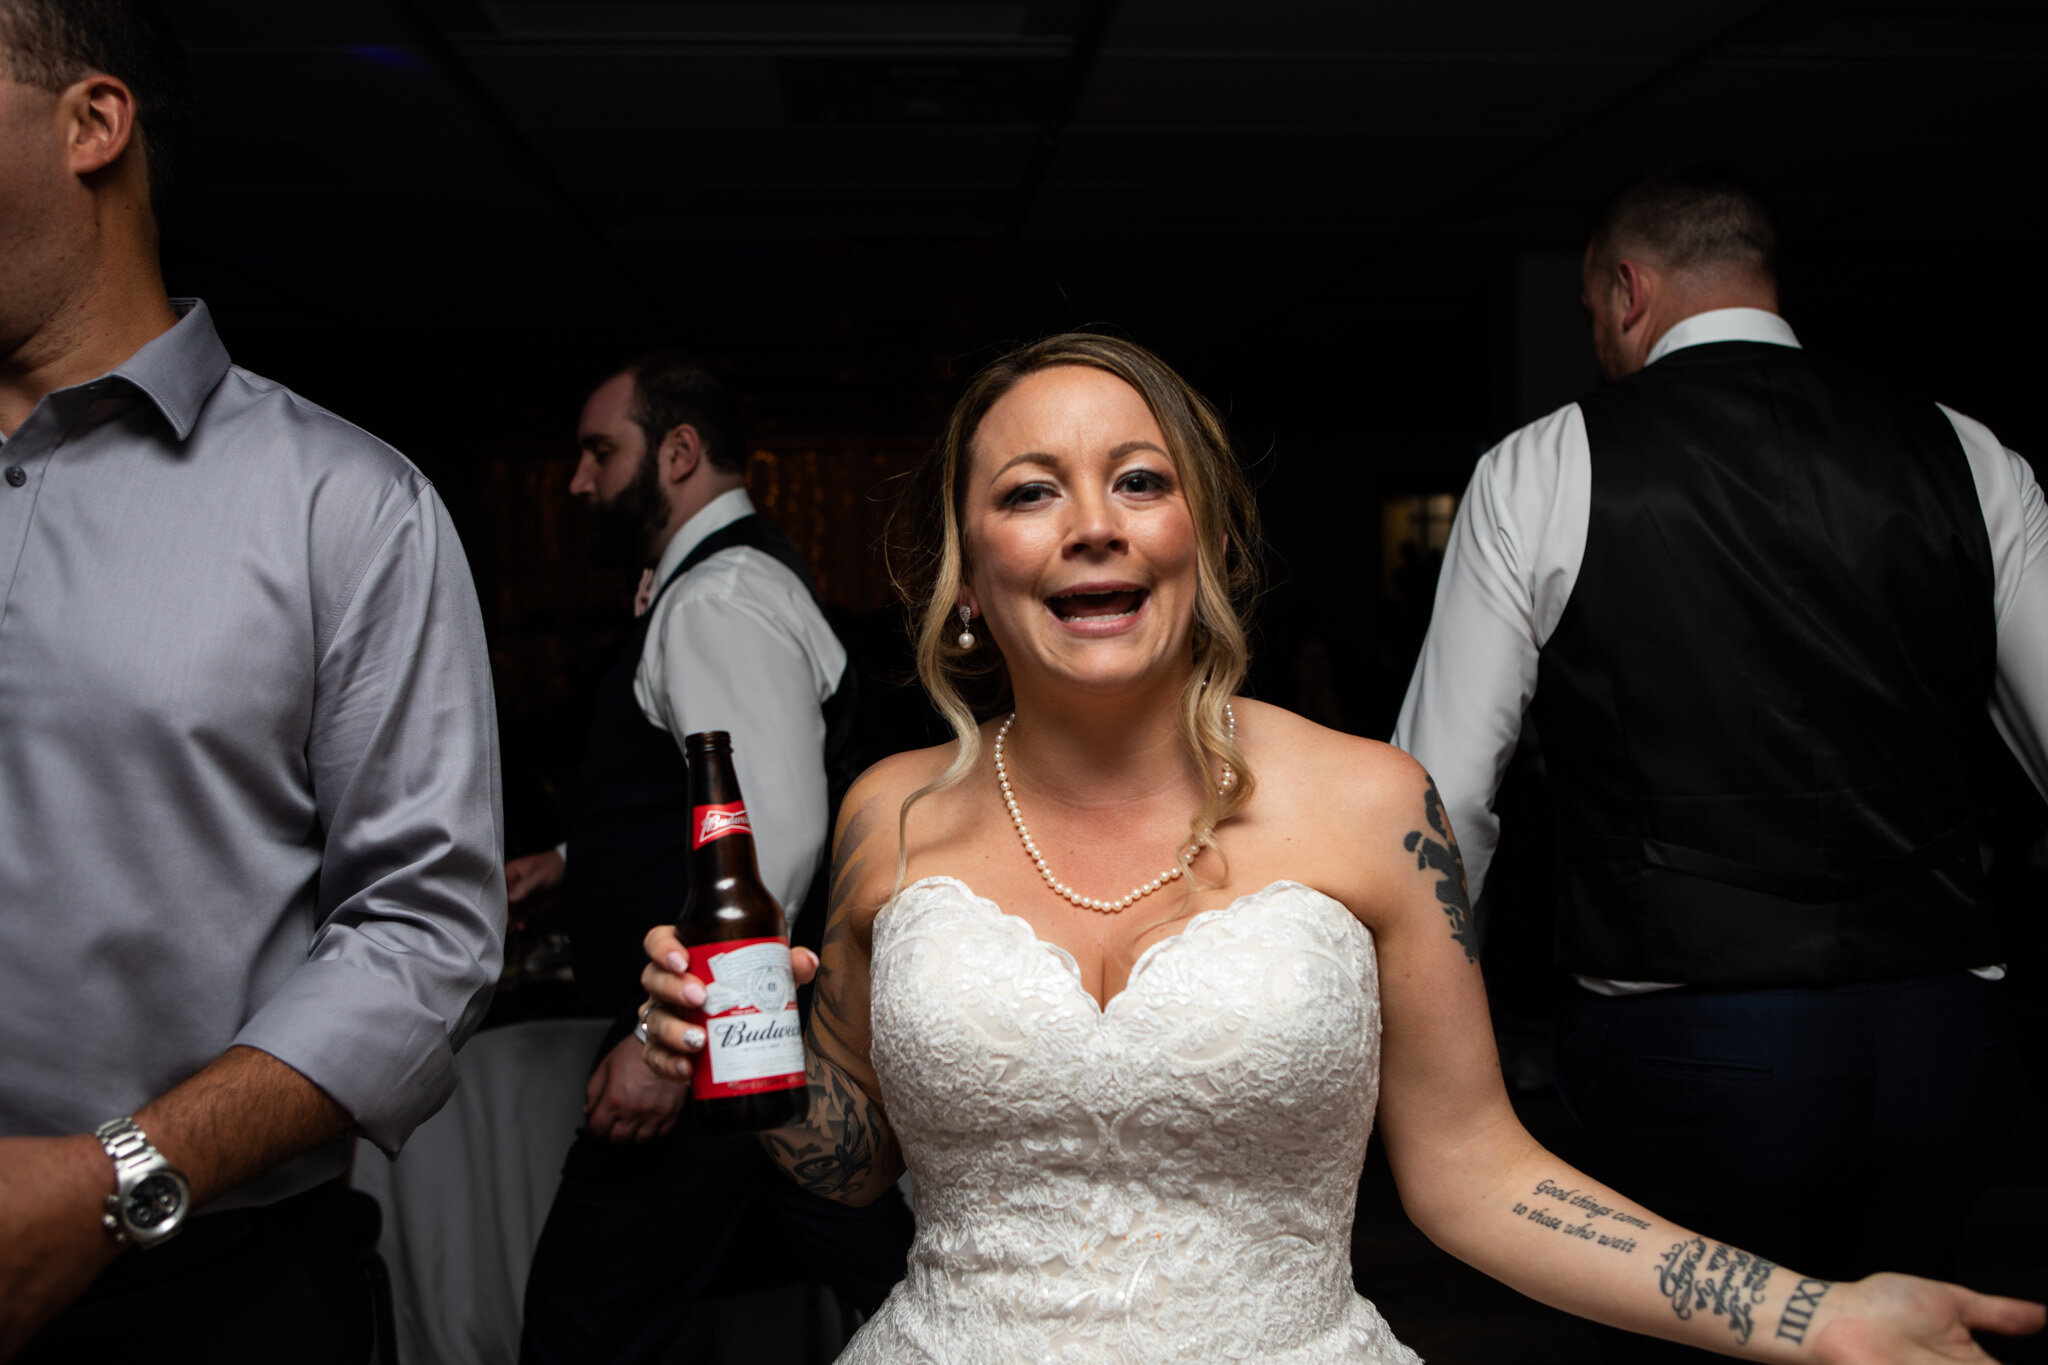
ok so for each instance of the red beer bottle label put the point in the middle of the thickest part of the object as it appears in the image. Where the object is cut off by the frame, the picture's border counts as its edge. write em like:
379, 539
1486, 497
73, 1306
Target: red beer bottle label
752, 1038
715, 822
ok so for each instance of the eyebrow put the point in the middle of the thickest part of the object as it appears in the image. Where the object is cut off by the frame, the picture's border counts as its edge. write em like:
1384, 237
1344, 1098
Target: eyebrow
1039, 457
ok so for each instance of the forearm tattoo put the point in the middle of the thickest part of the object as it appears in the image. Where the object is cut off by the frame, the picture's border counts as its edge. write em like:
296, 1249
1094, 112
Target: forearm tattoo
1441, 853
842, 1141
1720, 1281
1799, 1309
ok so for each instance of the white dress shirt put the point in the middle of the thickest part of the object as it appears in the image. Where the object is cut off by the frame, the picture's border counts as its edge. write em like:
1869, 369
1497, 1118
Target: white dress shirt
1514, 554
738, 644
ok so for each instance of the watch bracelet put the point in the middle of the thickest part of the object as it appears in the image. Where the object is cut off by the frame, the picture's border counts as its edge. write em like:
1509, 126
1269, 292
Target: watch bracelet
125, 1143
129, 1148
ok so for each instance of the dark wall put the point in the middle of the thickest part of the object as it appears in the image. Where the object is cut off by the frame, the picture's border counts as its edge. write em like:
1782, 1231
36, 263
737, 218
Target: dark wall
1353, 227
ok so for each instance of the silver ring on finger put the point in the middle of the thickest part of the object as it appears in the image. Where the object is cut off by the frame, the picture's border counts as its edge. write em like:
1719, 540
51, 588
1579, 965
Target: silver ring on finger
640, 1030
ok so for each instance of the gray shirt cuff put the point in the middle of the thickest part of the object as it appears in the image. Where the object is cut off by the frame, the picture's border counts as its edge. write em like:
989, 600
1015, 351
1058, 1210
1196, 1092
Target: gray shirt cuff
366, 1041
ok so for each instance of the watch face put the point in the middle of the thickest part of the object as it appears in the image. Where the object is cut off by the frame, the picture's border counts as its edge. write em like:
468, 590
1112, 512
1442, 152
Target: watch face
154, 1199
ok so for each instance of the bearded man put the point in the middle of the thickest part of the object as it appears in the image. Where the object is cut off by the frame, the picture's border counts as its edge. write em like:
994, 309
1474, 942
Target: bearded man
652, 1214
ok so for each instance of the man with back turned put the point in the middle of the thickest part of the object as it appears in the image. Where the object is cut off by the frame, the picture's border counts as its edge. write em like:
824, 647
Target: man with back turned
250, 884
1757, 606
653, 1214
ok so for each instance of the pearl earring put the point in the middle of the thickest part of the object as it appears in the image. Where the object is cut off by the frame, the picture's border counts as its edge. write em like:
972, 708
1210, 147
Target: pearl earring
966, 640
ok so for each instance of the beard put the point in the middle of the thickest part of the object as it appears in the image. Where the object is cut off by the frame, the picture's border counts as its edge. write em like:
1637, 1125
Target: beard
626, 527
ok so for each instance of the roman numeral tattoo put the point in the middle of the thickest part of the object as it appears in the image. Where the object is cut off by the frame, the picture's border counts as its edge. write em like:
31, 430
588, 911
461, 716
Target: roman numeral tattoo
1441, 853
1721, 1281
1798, 1314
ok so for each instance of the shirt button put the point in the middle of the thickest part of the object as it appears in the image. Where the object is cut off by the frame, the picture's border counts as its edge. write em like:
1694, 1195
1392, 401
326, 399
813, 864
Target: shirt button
16, 476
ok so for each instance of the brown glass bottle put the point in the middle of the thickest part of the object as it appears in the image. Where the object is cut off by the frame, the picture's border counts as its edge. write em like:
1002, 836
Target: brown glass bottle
750, 1075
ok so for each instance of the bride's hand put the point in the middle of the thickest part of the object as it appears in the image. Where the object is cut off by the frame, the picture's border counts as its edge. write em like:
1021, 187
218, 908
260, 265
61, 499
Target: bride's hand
671, 1040
1906, 1319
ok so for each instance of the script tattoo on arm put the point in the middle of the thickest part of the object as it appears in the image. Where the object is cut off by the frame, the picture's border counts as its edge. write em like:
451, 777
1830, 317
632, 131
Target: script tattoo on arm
1579, 1215
1798, 1314
1717, 1280
1441, 853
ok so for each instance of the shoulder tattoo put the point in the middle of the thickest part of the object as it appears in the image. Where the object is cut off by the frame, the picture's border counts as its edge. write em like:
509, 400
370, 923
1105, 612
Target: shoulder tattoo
1440, 855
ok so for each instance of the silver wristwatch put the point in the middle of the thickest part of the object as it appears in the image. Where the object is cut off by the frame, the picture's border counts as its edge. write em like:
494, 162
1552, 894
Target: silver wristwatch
151, 1197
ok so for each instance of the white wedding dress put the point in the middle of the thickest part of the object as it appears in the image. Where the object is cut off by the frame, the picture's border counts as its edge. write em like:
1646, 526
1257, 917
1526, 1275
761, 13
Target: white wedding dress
1168, 1179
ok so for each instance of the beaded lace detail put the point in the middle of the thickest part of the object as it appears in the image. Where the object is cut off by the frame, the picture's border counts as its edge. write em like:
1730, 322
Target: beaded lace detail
1167, 1178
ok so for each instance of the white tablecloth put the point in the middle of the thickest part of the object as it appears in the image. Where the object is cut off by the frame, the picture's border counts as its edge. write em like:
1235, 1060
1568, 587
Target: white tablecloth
465, 1201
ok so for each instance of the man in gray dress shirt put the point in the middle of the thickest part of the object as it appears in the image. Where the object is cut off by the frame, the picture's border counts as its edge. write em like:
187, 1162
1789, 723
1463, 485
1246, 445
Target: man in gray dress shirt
251, 896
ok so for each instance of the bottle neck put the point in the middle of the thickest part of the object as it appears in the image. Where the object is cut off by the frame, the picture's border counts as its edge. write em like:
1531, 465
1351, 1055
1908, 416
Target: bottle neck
721, 838
725, 859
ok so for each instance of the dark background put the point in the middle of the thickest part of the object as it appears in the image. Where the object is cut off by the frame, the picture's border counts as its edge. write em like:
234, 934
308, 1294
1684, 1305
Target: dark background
1354, 225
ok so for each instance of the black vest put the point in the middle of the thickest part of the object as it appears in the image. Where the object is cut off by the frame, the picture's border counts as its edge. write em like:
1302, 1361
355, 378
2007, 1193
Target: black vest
1763, 710
629, 845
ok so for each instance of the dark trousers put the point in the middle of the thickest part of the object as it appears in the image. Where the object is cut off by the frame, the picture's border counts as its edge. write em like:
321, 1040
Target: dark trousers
640, 1233
1834, 1131
251, 1285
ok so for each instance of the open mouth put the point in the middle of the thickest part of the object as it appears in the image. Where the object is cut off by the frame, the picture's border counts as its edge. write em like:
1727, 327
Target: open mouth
1110, 605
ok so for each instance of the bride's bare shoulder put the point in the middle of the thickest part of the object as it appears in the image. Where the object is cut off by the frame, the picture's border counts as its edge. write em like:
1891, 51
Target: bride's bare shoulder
864, 846
891, 779
1346, 802
1297, 760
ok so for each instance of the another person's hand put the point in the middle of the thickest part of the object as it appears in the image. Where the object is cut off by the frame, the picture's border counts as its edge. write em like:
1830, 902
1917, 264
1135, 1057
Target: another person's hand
1911, 1321
534, 872
625, 1102
52, 1193
671, 1040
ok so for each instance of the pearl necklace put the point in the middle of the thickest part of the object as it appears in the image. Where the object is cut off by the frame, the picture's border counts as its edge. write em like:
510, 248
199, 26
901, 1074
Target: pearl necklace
1059, 887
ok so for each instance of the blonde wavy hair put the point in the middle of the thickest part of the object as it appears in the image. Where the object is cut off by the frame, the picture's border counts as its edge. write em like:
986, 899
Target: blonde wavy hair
927, 558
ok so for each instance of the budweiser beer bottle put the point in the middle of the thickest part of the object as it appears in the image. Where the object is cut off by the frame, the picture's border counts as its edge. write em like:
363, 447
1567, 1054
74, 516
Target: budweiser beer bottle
750, 1074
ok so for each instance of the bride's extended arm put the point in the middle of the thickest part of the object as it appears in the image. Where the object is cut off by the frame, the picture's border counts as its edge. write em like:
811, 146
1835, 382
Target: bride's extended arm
1473, 1179
844, 1148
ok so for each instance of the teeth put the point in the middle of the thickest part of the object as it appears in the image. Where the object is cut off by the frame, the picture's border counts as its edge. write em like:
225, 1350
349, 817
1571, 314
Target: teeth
1137, 601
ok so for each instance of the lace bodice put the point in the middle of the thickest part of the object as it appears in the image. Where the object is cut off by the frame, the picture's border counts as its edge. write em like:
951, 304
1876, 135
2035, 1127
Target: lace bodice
1170, 1178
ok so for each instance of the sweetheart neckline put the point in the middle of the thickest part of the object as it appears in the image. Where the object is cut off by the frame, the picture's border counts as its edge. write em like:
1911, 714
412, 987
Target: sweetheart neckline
1073, 965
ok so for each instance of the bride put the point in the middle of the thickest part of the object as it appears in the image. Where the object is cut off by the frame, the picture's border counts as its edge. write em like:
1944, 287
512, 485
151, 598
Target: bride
1131, 1058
